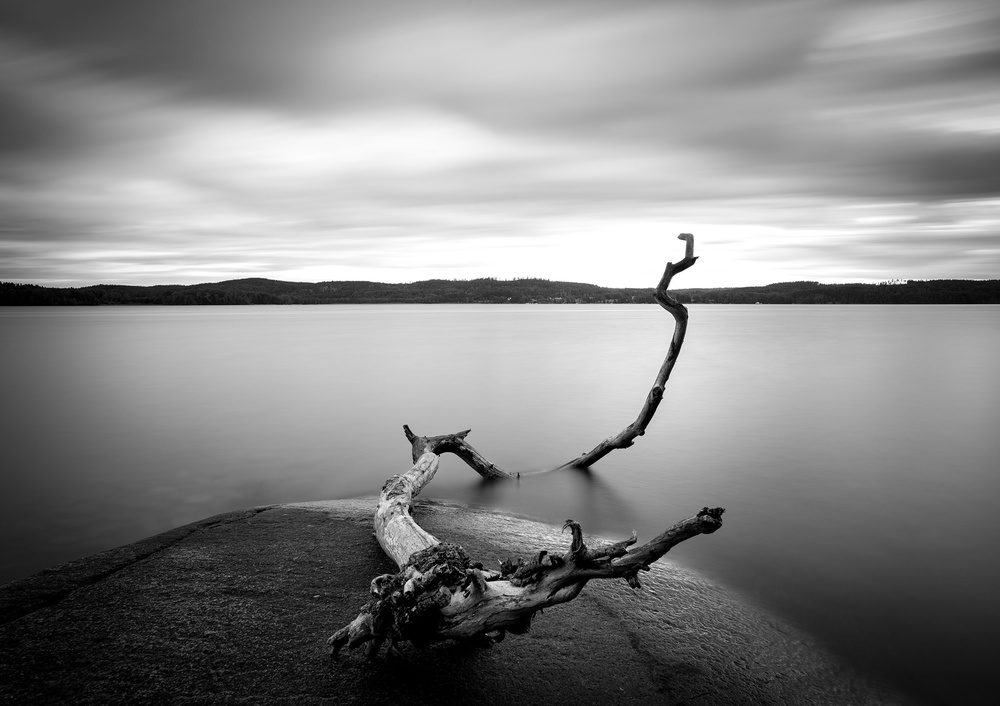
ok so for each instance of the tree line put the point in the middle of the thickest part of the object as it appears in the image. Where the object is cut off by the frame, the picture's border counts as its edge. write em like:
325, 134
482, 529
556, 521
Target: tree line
940, 291
493, 291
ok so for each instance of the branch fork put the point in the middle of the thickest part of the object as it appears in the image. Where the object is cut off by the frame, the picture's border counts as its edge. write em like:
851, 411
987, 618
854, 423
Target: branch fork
439, 593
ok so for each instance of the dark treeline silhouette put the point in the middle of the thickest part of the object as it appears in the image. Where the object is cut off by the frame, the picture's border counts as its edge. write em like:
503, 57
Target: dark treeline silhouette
490, 290
937, 291
267, 291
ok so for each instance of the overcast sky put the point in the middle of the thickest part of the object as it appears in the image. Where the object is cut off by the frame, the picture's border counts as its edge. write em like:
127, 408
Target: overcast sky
184, 141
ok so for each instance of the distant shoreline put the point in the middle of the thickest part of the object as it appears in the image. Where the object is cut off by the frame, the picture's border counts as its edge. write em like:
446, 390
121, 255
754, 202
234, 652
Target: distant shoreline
492, 291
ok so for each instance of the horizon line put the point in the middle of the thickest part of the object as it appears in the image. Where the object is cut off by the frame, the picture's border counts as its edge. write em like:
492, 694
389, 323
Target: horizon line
888, 282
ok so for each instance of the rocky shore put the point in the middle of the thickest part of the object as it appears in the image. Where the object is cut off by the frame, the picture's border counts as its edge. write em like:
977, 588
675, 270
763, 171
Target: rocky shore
236, 609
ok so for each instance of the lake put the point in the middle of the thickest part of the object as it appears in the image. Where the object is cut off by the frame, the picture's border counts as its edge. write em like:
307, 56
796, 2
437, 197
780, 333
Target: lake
855, 448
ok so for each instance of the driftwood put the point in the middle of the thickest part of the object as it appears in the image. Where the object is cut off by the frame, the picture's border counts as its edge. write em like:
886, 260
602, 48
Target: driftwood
456, 443
439, 594
627, 436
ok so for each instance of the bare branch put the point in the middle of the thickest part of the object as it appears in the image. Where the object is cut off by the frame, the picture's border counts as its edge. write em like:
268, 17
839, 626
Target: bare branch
440, 594
456, 444
627, 436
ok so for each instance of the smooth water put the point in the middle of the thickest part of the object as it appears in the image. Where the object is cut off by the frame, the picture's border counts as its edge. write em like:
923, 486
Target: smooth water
856, 449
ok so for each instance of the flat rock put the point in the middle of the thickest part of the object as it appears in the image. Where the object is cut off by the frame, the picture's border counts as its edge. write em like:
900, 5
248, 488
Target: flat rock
237, 608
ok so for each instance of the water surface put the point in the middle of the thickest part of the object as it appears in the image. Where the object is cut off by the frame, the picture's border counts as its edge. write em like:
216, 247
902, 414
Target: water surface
855, 448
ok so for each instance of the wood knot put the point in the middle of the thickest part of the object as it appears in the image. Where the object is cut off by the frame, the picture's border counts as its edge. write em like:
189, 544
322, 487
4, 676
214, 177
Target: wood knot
712, 518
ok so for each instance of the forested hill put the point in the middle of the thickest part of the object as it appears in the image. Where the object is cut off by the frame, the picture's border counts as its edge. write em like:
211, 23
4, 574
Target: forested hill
935, 291
489, 290
268, 291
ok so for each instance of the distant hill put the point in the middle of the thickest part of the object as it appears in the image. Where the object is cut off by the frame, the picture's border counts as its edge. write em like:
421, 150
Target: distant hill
937, 291
494, 291
268, 291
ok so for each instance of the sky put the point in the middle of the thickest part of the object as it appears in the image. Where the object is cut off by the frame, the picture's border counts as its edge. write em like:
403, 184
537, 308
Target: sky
152, 142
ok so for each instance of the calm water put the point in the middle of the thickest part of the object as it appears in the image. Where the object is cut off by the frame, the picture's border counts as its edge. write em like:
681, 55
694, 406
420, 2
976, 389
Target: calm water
856, 449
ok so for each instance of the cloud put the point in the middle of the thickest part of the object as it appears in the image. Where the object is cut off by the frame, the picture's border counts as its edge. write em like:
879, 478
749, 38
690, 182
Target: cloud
398, 141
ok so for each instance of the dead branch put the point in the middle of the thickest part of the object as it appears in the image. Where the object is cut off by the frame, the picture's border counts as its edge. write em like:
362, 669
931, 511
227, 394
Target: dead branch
627, 436
440, 594
456, 444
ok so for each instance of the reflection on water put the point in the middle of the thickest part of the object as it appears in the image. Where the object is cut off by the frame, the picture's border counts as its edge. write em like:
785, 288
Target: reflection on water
567, 493
855, 448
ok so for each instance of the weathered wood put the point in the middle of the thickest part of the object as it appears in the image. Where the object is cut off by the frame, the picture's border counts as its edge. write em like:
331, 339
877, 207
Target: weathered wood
397, 532
440, 594
510, 603
627, 436
456, 444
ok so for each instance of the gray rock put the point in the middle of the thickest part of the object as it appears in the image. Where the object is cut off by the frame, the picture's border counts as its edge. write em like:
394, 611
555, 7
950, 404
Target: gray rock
236, 609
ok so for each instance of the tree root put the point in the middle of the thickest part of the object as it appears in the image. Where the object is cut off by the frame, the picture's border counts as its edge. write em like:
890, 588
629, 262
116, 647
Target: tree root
440, 594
